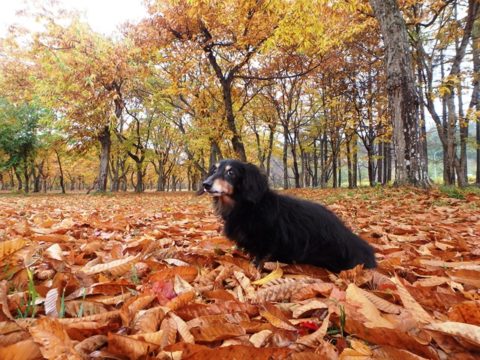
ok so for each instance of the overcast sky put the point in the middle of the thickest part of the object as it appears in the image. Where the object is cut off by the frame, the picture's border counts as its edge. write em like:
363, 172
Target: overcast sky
103, 15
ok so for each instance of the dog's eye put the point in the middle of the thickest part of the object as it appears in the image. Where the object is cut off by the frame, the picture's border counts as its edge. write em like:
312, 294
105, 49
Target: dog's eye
230, 173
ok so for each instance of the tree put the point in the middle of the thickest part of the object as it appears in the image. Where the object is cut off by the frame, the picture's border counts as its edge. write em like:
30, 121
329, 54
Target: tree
18, 138
411, 166
452, 35
80, 74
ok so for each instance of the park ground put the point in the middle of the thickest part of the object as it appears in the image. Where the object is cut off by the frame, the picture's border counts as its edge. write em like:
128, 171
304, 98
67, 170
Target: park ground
151, 276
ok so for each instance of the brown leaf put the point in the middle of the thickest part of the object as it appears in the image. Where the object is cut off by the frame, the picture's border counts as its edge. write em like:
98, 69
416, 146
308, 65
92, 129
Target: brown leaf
22, 350
388, 352
367, 308
240, 352
183, 329
467, 332
411, 304
259, 338
180, 301
281, 289
127, 346
277, 322
53, 340
90, 344
355, 324
217, 331
4, 299
466, 312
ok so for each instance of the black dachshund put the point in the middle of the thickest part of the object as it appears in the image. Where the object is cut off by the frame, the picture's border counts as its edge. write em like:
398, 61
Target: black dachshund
270, 226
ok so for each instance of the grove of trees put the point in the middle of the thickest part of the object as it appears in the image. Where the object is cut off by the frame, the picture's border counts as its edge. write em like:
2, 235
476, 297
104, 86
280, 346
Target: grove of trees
317, 93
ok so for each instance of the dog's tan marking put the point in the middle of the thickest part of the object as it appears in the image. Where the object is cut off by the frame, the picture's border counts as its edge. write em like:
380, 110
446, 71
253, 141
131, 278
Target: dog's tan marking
227, 201
228, 167
217, 165
222, 187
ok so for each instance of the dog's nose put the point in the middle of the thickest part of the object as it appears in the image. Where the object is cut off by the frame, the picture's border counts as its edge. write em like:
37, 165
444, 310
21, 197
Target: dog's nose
207, 185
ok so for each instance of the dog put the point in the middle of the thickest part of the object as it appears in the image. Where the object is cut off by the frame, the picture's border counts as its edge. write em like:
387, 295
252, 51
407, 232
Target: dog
274, 227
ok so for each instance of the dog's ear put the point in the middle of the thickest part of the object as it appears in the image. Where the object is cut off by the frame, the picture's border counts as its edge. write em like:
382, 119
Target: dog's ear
254, 183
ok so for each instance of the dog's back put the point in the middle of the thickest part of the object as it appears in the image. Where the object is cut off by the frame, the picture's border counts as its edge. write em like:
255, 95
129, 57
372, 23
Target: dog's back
291, 230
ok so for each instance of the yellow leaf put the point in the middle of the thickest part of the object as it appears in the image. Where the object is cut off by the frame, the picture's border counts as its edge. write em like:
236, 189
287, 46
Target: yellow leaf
275, 321
275, 274
10, 246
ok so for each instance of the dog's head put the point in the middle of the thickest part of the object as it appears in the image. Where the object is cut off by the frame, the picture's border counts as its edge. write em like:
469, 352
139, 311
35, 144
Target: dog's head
236, 181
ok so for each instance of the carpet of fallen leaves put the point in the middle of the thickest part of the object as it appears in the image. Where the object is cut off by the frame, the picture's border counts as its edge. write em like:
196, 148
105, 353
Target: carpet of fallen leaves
151, 277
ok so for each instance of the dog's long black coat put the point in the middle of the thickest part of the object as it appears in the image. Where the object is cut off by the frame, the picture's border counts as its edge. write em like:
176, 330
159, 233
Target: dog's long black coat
277, 227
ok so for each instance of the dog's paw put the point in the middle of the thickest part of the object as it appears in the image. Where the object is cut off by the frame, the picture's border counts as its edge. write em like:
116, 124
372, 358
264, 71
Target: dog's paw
258, 262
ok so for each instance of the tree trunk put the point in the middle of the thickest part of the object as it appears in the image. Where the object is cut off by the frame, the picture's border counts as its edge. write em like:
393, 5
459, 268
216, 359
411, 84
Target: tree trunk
349, 165
380, 163
323, 161
26, 175
19, 179
315, 164
115, 178
269, 152
285, 157
296, 172
237, 143
37, 179
139, 184
410, 167
215, 153
371, 165
339, 172
105, 142
475, 103
388, 166
334, 168
354, 161
62, 182
423, 121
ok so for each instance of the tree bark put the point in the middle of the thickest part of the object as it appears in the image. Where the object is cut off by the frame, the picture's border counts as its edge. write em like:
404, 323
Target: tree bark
410, 167
475, 103
215, 153
285, 157
139, 187
296, 172
371, 165
26, 174
380, 162
19, 178
269, 151
354, 161
62, 181
106, 143
237, 143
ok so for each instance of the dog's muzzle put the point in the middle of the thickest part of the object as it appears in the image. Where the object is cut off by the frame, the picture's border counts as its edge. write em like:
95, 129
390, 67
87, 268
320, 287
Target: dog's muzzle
208, 187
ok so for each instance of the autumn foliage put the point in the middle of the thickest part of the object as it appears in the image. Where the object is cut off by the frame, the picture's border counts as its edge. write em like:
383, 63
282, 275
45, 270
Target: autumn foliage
150, 276
299, 87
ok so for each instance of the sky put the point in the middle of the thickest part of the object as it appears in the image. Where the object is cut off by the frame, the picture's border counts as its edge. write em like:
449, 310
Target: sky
104, 16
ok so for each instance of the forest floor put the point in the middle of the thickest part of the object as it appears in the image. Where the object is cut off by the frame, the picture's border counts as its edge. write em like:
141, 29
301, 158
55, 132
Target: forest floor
151, 276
